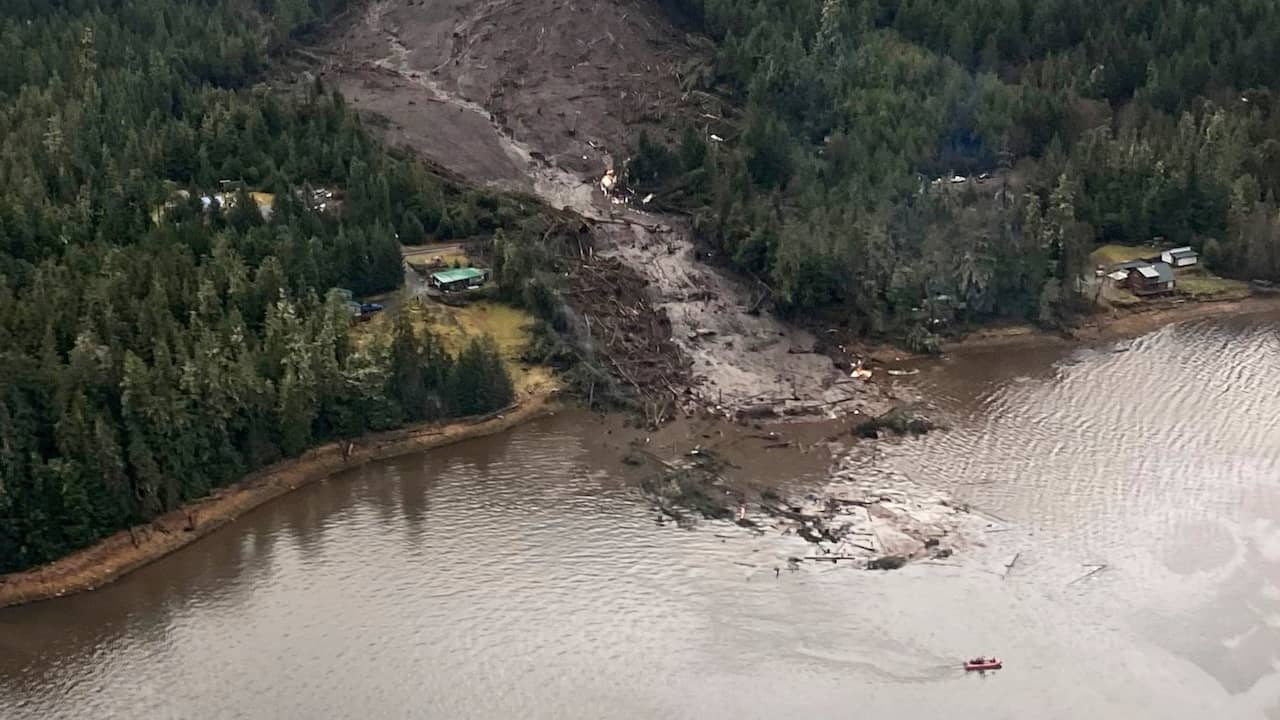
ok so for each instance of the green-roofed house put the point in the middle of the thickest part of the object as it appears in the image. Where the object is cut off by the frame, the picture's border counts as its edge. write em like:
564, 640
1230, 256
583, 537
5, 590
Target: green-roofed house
458, 279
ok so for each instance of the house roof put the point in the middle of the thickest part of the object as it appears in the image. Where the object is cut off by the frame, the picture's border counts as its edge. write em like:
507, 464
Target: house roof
1160, 272
457, 275
1182, 252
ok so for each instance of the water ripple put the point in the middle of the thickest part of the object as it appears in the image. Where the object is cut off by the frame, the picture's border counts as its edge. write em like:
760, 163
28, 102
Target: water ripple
514, 577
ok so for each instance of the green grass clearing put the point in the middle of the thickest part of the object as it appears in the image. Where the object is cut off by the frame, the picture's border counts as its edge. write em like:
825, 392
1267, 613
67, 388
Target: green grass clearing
1205, 287
455, 326
1108, 255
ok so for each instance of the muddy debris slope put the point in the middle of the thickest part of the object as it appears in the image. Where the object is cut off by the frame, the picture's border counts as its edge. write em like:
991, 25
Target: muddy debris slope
570, 82
616, 320
544, 96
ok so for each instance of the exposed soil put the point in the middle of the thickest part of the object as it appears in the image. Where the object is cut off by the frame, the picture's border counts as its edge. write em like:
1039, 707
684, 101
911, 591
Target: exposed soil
544, 96
486, 86
744, 363
128, 550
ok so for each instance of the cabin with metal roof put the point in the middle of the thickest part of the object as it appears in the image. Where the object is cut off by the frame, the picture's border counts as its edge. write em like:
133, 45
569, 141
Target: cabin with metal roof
1151, 279
458, 279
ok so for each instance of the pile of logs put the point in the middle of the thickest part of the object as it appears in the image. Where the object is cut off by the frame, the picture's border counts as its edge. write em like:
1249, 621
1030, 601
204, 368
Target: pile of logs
630, 334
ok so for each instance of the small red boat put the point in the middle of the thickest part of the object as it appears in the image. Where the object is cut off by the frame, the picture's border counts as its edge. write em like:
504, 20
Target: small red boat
983, 663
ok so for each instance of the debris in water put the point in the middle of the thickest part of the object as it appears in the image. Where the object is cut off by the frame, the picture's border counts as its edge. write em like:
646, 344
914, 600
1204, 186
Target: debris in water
1009, 565
695, 485
1097, 568
901, 420
888, 562
609, 181
864, 521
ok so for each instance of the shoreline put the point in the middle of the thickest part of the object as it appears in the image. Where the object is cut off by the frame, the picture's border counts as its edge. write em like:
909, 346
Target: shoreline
127, 550
1116, 325
119, 554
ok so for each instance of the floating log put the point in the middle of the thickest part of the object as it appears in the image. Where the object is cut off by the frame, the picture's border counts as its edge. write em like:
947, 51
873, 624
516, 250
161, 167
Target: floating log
1008, 567
1089, 574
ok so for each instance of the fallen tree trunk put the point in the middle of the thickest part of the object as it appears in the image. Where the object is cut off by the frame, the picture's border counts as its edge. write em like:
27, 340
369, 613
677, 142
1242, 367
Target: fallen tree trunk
1089, 574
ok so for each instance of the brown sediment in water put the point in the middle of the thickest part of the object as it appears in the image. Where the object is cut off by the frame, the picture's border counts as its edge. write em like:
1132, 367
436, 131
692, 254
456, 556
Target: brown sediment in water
117, 555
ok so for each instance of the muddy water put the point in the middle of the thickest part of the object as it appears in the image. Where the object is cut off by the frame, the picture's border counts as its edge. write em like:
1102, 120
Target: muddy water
517, 577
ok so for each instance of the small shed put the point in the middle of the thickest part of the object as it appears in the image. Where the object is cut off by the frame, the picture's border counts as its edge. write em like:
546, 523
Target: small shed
458, 279
1180, 257
1151, 279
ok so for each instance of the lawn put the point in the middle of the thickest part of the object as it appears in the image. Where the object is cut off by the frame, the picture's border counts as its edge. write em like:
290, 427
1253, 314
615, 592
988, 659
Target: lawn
455, 326
442, 261
1208, 287
1108, 255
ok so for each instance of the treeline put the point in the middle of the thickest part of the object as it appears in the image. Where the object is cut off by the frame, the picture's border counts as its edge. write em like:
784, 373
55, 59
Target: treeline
1115, 122
153, 348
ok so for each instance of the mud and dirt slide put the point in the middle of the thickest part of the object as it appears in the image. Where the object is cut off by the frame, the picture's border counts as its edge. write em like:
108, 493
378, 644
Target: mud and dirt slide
362, 56
571, 80
745, 361
543, 96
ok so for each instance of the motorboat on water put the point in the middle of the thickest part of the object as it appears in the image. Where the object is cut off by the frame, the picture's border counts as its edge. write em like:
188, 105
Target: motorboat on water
983, 663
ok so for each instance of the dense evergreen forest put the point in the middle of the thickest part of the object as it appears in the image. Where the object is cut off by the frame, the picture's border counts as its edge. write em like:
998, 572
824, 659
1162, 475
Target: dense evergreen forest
155, 342
1095, 121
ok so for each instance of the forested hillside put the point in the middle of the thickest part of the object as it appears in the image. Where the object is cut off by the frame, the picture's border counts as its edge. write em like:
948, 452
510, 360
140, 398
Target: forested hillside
154, 345
1097, 121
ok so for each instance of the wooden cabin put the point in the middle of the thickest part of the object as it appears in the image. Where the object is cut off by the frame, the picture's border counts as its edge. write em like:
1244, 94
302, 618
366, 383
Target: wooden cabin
1150, 279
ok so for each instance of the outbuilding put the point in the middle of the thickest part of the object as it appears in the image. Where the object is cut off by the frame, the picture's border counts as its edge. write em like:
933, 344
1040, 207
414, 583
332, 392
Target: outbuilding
1180, 257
